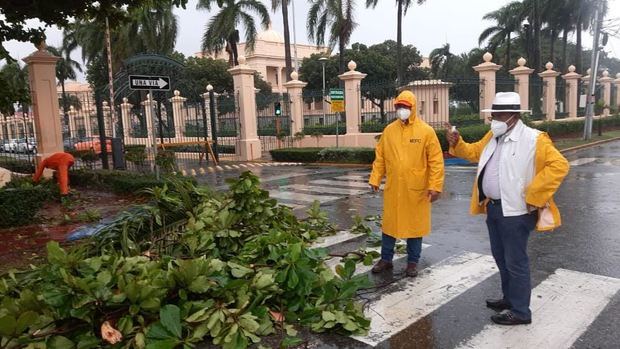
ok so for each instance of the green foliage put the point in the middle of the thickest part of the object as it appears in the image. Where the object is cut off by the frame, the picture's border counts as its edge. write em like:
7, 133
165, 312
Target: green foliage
16, 165
565, 128
296, 154
120, 182
166, 160
89, 156
326, 129
189, 267
136, 154
466, 120
334, 155
20, 200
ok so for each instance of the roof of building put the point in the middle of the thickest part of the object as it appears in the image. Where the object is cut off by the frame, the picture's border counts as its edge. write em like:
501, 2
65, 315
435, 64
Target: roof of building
270, 35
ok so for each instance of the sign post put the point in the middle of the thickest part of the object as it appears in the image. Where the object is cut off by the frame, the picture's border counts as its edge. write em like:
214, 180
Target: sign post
151, 83
336, 95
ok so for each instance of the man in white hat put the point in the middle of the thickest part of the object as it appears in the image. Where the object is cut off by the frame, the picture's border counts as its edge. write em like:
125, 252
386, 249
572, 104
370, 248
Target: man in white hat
519, 170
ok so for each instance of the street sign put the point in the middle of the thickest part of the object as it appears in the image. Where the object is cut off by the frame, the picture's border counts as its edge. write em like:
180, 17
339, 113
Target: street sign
146, 82
337, 100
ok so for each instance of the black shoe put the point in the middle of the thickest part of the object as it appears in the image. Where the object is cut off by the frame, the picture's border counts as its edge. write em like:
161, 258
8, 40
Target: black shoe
509, 319
382, 266
498, 304
411, 270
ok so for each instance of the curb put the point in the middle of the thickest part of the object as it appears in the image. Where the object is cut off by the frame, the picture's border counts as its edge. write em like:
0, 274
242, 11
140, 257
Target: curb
588, 145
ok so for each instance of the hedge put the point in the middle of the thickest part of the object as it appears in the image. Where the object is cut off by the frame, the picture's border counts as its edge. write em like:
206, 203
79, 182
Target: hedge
20, 200
466, 120
326, 129
348, 155
16, 165
564, 128
296, 154
120, 182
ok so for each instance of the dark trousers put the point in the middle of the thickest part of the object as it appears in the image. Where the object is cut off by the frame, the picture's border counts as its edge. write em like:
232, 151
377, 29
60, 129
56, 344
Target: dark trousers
509, 237
414, 248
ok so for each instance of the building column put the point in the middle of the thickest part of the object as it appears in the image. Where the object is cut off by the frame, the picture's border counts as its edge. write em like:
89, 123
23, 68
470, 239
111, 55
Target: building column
617, 84
107, 118
208, 111
549, 77
352, 97
71, 114
248, 145
522, 76
295, 93
572, 91
178, 113
606, 85
487, 71
149, 106
46, 115
126, 118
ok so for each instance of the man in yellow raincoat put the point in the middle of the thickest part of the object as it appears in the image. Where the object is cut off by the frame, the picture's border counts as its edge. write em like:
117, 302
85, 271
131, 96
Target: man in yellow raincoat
519, 170
409, 156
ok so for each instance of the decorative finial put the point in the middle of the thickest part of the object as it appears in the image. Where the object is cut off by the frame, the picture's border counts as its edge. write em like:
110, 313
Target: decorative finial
571, 68
241, 60
605, 73
589, 71
549, 66
209, 87
177, 93
125, 100
521, 62
352, 65
487, 57
294, 75
42, 46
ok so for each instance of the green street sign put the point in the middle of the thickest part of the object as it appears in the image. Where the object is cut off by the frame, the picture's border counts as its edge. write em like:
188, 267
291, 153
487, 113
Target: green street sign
336, 94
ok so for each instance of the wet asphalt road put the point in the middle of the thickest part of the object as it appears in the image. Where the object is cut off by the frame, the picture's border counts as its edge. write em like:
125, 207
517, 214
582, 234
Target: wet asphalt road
588, 241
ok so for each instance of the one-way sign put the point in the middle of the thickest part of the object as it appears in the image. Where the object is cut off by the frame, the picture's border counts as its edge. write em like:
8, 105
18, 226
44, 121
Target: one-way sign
146, 82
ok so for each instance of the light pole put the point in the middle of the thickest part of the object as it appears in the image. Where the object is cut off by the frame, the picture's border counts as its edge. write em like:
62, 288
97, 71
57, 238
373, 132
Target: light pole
323, 60
213, 122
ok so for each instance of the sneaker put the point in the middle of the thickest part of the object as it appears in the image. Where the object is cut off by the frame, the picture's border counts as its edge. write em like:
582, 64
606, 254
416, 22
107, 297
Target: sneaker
498, 304
507, 318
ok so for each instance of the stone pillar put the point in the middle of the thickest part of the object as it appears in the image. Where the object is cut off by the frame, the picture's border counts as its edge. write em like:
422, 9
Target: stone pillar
522, 76
606, 85
208, 110
107, 118
248, 145
586, 80
126, 117
88, 125
572, 91
149, 106
549, 78
46, 115
295, 90
617, 84
178, 113
72, 114
352, 97
487, 71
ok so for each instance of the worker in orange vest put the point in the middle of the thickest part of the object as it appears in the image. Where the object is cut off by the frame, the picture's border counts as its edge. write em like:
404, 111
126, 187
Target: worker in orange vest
59, 162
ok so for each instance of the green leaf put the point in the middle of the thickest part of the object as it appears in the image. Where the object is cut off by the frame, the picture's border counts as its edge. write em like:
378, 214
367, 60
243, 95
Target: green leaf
104, 277
60, 342
163, 344
55, 254
293, 279
140, 340
7, 325
328, 316
249, 323
199, 285
170, 317
290, 342
26, 320
295, 252
158, 331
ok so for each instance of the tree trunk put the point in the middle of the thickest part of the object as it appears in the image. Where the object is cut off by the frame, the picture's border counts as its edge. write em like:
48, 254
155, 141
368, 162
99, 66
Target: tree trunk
287, 41
564, 47
552, 53
64, 103
399, 44
508, 58
341, 57
578, 48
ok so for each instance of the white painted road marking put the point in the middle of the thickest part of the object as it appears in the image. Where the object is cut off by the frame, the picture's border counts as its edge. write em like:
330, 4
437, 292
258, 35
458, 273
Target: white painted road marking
563, 306
323, 189
341, 183
582, 161
418, 297
354, 178
341, 236
292, 196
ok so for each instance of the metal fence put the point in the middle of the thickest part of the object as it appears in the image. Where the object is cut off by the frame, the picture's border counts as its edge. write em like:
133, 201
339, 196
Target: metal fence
537, 88
562, 90
18, 145
321, 121
273, 112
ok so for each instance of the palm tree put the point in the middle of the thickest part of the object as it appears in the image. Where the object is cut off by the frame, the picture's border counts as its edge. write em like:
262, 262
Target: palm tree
222, 32
441, 58
65, 70
15, 88
338, 15
402, 7
557, 18
283, 4
507, 21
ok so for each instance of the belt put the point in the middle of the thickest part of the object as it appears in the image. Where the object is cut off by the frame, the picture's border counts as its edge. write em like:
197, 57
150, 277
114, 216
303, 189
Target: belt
495, 202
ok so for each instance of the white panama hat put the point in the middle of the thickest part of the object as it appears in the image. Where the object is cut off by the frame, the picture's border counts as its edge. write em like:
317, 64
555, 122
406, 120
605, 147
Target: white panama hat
506, 102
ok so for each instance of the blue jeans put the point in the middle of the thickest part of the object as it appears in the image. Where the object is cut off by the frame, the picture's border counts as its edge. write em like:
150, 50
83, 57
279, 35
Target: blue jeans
508, 236
414, 248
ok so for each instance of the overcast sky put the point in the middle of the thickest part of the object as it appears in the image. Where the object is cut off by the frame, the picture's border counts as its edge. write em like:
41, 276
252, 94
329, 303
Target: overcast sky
426, 26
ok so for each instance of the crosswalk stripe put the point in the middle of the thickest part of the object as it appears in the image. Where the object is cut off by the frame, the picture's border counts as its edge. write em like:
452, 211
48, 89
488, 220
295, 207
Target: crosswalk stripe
340, 237
323, 189
354, 177
583, 295
361, 268
582, 161
293, 196
418, 297
341, 183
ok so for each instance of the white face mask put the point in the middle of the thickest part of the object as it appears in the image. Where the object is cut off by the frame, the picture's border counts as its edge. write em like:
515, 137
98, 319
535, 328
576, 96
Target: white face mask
403, 113
499, 128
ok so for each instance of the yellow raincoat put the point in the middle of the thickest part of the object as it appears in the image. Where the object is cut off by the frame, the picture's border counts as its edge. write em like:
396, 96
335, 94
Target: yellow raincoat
411, 159
550, 167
